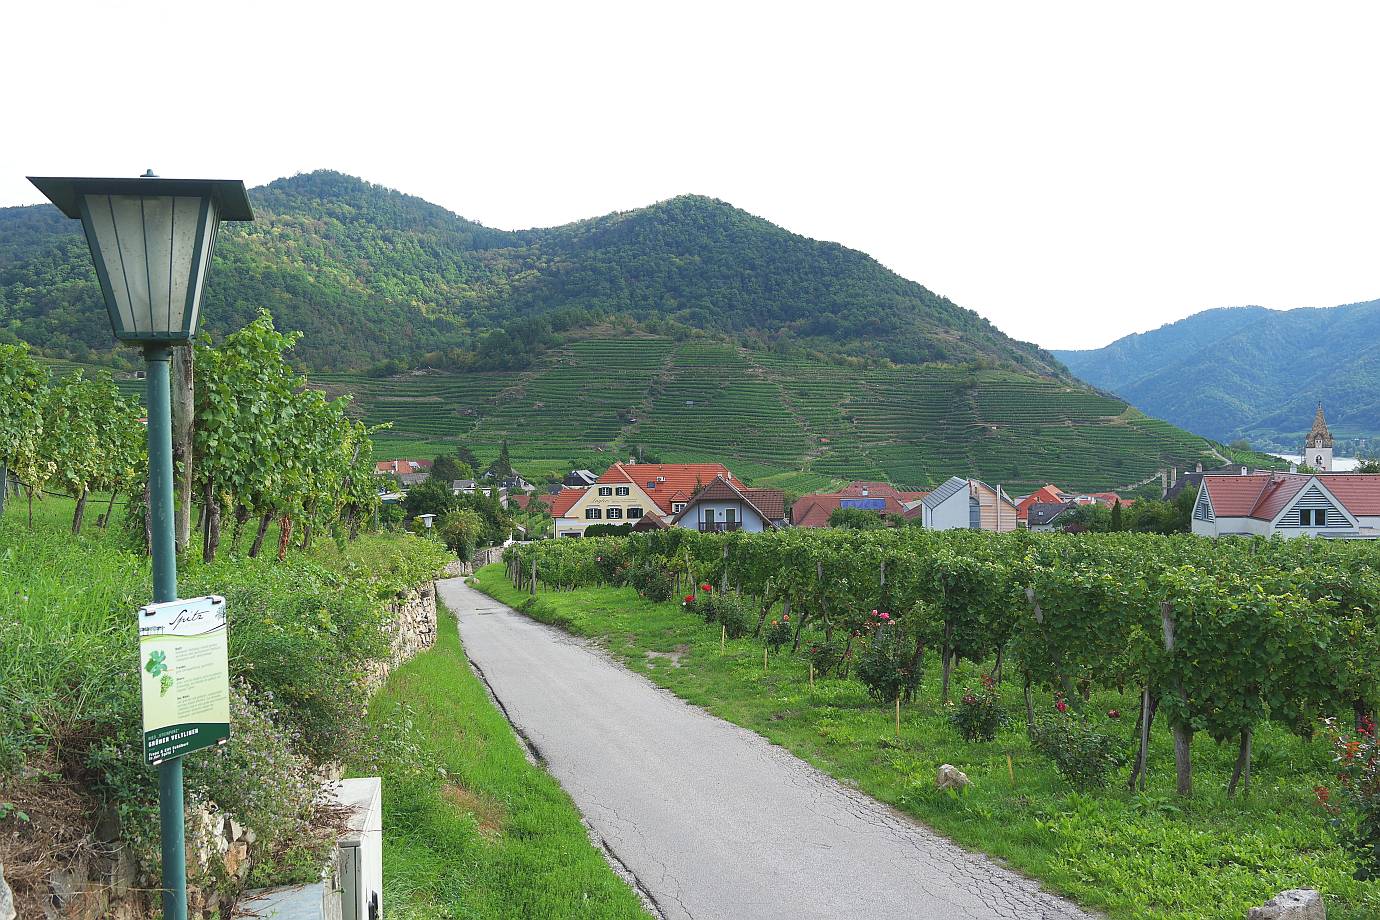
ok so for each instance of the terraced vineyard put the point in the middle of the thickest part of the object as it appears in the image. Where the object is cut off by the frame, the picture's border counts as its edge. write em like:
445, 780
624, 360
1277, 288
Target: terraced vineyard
775, 420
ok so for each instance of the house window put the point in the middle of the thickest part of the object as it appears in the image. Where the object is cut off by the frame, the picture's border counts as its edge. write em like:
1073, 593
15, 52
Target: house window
730, 515
615, 513
621, 490
634, 513
593, 514
1313, 517
677, 507
606, 490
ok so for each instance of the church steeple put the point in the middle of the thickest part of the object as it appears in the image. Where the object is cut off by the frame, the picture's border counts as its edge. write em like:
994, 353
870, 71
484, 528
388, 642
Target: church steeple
1317, 447
1319, 436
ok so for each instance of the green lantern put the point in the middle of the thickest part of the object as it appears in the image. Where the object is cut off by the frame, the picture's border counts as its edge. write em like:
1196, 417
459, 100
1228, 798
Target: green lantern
152, 241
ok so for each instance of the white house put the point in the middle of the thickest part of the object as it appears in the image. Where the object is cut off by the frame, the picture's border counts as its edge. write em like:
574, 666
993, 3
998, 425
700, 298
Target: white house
968, 504
1332, 505
724, 505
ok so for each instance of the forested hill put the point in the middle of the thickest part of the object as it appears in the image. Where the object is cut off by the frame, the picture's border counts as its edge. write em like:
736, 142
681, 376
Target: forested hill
372, 276
1252, 373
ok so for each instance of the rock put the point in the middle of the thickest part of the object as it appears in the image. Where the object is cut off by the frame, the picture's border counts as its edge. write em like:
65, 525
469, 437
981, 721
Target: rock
6, 897
1294, 904
234, 829
237, 859
950, 777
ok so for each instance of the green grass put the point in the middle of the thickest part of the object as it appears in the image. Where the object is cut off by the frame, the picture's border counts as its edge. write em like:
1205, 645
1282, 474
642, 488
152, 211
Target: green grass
1148, 855
471, 828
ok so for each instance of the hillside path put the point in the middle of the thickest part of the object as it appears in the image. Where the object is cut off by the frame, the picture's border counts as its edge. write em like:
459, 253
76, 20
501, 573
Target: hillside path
715, 822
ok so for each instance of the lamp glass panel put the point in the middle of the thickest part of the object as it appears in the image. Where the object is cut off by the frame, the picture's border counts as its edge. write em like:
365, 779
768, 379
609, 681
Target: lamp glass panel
130, 262
108, 249
203, 264
186, 212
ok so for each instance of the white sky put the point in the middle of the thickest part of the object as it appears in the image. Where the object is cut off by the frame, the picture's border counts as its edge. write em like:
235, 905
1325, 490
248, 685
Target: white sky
1072, 171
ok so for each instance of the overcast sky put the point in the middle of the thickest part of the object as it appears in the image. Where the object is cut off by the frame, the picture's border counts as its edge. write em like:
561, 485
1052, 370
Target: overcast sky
1074, 172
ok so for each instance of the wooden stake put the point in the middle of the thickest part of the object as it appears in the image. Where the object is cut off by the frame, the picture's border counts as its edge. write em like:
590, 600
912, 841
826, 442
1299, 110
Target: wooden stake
764, 658
812, 675
898, 714
723, 638
1010, 769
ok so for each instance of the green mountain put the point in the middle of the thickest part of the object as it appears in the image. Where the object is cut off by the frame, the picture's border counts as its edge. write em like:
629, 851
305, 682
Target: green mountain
372, 275
1252, 373
689, 329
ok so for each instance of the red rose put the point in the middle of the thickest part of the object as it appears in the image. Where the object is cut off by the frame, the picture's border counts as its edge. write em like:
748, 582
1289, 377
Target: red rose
689, 598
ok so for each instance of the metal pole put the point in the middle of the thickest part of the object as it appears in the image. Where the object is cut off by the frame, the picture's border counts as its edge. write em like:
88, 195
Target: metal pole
171, 822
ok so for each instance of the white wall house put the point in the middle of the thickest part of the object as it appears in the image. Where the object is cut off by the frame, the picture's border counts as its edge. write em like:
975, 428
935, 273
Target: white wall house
724, 506
1329, 505
968, 504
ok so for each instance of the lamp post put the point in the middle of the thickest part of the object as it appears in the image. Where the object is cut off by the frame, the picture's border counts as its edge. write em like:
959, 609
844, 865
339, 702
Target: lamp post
152, 241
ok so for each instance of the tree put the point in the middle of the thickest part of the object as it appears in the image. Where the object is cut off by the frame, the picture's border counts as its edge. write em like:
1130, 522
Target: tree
447, 468
1116, 516
461, 530
502, 467
22, 380
430, 497
856, 519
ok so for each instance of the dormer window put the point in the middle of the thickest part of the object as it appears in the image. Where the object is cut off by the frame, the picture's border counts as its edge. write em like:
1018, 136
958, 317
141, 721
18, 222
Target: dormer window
677, 507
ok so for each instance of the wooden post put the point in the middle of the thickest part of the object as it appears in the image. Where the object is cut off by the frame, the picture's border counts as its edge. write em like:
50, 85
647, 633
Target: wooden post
1242, 771
723, 579
1010, 768
723, 638
532, 586
764, 659
1138, 775
1183, 735
898, 713
183, 409
812, 675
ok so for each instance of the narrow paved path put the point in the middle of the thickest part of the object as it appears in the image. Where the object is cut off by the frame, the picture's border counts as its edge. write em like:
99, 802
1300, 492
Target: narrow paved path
715, 822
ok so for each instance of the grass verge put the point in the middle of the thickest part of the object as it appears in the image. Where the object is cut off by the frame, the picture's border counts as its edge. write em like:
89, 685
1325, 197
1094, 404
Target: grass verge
1132, 855
471, 828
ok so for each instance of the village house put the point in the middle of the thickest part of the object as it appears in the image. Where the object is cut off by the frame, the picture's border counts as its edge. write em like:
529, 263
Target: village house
1045, 517
1330, 505
968, 504
628, 492
401, 467
1048, 494
725, 505
815, 510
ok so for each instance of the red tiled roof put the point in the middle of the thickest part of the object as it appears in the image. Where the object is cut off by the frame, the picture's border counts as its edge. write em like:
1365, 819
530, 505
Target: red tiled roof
521, 500
398, 467
771, 502
564, 500
1044, 495
1237, 496
681, 479
1360, 492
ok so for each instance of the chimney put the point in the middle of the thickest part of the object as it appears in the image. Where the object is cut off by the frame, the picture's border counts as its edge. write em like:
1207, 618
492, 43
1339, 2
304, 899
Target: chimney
1293, 467
864, 491
1200, 467
1244, 470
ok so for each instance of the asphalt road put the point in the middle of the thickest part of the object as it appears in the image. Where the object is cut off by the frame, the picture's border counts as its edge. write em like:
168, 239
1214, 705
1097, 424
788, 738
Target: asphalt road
713, 821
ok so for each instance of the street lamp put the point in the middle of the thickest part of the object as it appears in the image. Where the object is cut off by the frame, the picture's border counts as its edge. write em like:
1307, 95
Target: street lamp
152, 241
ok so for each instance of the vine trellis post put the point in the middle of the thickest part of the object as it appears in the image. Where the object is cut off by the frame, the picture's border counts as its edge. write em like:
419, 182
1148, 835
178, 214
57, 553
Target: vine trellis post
1183, 733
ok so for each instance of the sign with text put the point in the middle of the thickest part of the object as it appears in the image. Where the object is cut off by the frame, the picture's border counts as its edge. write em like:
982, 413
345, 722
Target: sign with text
184, 664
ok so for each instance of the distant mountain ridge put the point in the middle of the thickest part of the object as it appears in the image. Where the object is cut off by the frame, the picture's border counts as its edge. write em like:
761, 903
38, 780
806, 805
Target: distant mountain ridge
373, 275
1251, 372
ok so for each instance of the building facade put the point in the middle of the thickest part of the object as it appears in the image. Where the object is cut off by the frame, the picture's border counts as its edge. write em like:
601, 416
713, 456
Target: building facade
1328, 505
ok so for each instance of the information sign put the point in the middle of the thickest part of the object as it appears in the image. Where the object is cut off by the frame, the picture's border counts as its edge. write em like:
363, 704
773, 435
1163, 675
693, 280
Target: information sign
185, 668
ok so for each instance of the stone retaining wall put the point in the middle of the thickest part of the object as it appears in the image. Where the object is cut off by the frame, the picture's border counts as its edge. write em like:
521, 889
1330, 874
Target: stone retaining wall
411, 628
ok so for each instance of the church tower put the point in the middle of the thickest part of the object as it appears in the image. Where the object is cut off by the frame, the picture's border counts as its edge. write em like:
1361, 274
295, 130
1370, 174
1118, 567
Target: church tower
1317, 447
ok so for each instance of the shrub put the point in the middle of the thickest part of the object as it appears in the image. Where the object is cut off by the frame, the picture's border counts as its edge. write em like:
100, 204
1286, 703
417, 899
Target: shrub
652, 581
779, 631
1357, 755
825, 656
734, 612
885, 667
1082, 753
979, 714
